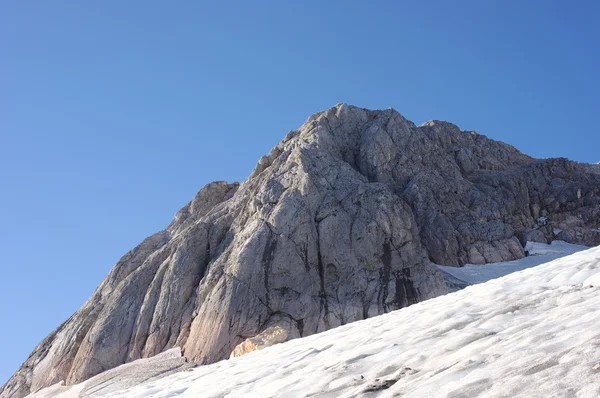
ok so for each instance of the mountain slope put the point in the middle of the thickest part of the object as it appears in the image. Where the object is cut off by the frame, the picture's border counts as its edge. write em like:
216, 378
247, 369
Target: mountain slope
340, 222
530, 334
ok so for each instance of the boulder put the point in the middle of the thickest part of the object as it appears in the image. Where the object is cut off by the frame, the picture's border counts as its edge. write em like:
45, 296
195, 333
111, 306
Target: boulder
532, 235
271, 336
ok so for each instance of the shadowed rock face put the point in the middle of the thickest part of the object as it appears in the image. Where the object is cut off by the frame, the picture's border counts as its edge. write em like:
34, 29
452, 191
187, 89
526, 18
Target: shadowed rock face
338, 223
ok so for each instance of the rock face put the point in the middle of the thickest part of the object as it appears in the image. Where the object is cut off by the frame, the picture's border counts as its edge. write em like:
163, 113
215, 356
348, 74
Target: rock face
271, 336
340, 222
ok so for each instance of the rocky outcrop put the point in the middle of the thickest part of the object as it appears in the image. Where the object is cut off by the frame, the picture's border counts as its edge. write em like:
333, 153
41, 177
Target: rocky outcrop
341, 221
124, 376
271, 336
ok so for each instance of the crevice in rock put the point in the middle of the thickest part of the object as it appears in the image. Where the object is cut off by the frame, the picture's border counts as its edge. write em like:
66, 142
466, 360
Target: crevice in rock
406, 294
323, 304
267, 262
384, 275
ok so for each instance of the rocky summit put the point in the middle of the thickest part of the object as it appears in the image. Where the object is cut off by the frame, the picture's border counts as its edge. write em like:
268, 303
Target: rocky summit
341, 221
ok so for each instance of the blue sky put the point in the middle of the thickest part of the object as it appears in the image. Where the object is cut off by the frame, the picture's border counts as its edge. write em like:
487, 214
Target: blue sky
113, 114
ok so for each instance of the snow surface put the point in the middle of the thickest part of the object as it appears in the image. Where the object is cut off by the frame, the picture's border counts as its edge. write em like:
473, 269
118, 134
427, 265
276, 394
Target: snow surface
532, 333
122, 377
539, 253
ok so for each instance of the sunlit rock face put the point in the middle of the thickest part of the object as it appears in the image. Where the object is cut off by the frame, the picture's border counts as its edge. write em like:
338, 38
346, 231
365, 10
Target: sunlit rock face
270, 336
341, 221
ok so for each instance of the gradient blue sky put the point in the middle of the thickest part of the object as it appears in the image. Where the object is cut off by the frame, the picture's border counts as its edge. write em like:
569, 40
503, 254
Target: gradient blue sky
114, 113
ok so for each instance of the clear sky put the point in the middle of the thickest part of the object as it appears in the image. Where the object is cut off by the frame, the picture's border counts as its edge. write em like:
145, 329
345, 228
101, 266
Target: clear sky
114, 113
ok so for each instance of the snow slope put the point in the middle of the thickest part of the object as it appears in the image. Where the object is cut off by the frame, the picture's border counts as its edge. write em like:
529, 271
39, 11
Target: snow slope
539, 253
122, 377
533, 333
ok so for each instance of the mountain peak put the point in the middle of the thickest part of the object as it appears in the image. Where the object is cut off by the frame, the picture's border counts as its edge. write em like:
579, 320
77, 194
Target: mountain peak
341, 221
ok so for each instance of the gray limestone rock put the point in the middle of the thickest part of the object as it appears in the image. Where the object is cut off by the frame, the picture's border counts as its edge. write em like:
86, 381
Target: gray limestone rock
341, 221
532, 235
